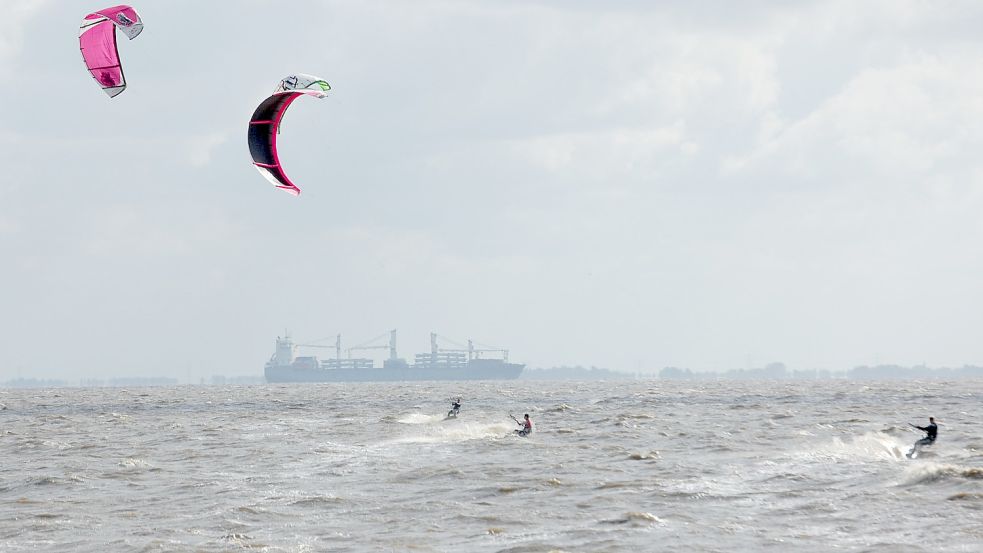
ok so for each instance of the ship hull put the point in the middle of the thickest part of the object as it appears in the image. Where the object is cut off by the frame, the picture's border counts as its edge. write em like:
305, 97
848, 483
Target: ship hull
505, 371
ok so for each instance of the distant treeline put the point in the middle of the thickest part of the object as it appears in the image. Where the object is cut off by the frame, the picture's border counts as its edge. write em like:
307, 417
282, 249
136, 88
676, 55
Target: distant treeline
34, 383
90, 382
129, 381
222, 380
778, 371
574, 373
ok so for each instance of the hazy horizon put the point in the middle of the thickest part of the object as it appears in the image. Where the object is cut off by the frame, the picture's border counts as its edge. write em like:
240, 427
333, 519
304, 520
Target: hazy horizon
770, 371
621, 185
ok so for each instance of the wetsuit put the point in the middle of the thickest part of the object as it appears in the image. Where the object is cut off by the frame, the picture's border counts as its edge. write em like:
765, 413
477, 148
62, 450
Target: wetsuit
931, 432
455, 409
526, 428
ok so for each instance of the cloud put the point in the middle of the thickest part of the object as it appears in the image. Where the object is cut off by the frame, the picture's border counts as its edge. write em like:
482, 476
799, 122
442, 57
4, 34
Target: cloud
202, 146
13, 25
609, 153
899, 122
134, 231
9, 227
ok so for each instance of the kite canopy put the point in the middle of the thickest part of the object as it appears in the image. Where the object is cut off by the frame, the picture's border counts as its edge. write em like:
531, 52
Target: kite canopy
97, 40
265, 125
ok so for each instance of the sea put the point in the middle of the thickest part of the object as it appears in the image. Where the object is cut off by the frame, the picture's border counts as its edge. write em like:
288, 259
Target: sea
638, 465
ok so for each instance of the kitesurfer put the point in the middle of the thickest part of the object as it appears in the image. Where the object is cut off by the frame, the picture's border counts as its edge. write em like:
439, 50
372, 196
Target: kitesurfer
455, 408
526, 426
931, 432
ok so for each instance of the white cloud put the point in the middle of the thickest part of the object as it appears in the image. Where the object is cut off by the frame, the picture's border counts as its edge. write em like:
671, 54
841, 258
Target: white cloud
13, 25
134, 231
8, 226
897, 122
610, 153
202, 146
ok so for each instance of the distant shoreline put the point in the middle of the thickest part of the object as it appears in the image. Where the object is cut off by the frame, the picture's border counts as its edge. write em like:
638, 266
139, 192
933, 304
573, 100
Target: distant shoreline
773, 371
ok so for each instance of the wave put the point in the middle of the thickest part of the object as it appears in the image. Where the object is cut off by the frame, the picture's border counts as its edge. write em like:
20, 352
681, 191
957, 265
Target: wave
242, 541
47, 480
458, 431
927, 473
419, 418
638, 416
870, 445
118, 417
318, 501
635, 517
37, 443
629, 484
650, 456
132, 464
534, 548
966, 496
642, 516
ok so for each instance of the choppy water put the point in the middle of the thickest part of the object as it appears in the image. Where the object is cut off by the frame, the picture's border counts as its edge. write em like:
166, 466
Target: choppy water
642, 465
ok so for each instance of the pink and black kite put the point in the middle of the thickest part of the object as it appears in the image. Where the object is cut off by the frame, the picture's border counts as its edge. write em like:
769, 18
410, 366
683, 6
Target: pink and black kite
265, 125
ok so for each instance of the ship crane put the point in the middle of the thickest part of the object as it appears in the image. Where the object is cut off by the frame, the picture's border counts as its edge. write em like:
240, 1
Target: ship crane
336, 346
473, 352
391, 346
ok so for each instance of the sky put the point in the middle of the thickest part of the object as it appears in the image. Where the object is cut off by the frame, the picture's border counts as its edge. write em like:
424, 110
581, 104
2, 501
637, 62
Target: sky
625, 184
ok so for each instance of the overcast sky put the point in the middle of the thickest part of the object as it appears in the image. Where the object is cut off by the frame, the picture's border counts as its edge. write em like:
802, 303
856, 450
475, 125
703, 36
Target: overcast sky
626, 184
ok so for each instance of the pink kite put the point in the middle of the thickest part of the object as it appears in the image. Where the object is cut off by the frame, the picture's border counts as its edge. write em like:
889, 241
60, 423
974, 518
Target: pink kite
97, 40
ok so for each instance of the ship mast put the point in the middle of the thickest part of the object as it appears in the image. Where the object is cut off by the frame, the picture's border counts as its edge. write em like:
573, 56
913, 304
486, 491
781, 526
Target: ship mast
433, 348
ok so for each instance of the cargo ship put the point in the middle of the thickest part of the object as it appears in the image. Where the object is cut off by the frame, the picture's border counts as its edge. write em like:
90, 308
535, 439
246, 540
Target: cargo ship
470, 363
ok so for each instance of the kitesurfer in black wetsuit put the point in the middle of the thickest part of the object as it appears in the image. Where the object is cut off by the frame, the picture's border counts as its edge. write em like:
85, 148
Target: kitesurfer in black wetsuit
931, 432
455, 408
